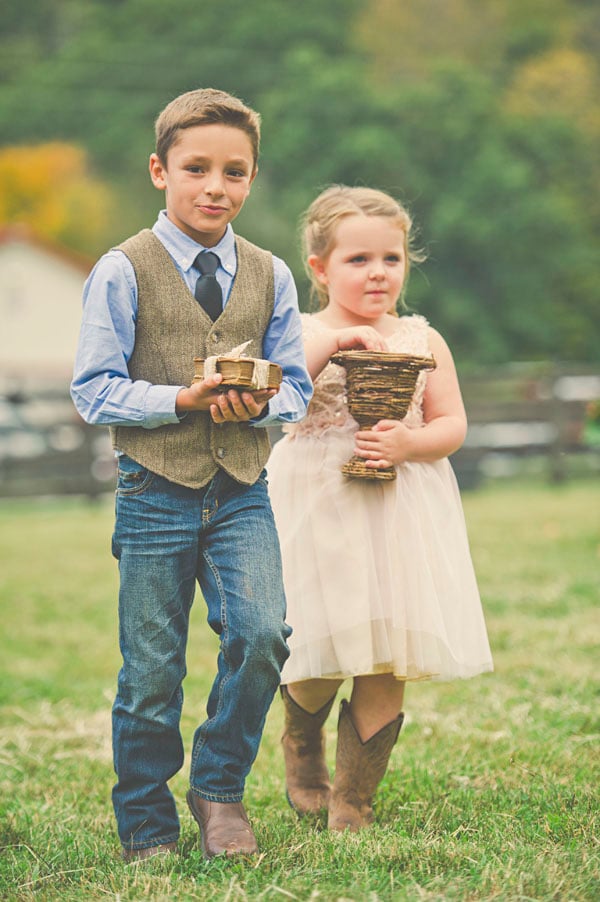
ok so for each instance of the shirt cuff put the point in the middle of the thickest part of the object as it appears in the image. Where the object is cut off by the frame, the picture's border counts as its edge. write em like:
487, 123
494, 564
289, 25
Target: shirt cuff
263, 415
160, 406
278, 410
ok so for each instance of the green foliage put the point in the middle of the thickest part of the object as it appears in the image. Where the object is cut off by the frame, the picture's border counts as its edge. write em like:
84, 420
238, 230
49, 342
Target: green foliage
486, 124
492, 792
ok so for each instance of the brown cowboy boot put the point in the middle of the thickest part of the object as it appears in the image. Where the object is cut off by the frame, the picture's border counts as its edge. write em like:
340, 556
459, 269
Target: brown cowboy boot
303, 741
224, 827
359, 768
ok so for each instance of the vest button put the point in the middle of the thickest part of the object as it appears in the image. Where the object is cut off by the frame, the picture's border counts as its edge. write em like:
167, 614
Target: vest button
215, 336
221, 453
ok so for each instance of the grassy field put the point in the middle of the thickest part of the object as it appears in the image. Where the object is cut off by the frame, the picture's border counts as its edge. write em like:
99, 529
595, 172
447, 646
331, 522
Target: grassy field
492, 791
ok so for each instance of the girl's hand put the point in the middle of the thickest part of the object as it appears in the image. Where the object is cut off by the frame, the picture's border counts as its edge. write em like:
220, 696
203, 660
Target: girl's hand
365, 337
444, 427
321, 347
387, 444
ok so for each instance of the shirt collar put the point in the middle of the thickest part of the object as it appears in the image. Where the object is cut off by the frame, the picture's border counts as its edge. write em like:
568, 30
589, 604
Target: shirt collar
184, 249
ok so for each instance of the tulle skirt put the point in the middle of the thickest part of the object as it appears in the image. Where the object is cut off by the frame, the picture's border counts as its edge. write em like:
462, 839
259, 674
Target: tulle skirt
378, 575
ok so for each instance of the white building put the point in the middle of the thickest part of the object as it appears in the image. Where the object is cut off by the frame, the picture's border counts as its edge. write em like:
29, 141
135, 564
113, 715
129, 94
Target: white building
40, 309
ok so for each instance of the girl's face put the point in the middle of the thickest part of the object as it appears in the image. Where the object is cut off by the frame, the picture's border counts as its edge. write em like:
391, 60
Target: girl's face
364, 272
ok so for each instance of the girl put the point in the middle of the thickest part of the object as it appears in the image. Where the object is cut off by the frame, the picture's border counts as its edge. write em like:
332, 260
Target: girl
379, 580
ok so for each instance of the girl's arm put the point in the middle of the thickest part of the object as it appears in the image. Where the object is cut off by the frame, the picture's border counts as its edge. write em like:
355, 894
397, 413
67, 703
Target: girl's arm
445, 423
322, 345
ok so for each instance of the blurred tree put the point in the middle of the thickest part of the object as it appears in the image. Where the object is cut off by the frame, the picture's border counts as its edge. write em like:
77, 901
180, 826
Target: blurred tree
404, 40
105, 85
49, 187
513, 258
497, 139
481, 114
33, 31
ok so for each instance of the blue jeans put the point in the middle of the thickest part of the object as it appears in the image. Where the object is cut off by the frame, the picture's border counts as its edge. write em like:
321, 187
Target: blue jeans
166, 537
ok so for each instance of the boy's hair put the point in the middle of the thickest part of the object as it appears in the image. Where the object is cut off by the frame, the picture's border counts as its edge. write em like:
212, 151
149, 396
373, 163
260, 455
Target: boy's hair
320, 222
205, 106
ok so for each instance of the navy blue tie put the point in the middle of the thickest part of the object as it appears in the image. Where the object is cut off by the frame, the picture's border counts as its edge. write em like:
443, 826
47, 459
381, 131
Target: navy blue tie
208, 291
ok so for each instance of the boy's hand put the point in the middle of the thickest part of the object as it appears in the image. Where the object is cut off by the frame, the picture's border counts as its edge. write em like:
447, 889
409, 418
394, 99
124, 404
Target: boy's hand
229, 406
199, 396
240, 406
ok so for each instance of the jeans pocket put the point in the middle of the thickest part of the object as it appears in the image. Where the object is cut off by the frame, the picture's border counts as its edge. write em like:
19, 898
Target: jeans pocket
132, 478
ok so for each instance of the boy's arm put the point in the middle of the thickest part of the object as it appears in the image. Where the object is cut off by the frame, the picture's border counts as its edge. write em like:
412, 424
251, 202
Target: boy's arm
102, 389
283, 344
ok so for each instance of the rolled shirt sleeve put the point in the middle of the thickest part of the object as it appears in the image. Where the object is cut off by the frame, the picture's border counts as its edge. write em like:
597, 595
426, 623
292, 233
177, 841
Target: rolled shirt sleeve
102, 390
283, 344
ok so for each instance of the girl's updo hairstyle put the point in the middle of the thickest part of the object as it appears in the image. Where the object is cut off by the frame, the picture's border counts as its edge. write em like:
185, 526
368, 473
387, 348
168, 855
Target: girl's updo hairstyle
319, 225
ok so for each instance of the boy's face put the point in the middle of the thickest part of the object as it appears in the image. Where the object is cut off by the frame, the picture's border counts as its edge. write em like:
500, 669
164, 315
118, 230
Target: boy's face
206, 178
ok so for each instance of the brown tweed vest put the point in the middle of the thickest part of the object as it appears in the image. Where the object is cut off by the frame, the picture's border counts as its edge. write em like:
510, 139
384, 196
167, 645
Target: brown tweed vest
171, 330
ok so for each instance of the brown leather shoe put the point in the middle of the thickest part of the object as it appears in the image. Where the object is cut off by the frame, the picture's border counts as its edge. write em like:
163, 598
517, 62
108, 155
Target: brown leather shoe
130, 856
224, 827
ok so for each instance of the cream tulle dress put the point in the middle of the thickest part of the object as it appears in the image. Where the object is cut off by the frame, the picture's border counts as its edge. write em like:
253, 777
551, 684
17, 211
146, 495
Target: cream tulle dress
378, 575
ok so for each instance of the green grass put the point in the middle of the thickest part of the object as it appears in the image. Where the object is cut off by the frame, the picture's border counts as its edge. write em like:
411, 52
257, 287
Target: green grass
492, 788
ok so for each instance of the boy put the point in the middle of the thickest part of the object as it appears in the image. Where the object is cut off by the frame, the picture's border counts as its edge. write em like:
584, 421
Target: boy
192, 501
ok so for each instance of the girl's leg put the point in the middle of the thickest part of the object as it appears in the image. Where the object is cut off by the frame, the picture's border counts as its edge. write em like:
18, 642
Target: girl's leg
367, 731
306, 707
311, 695
376, 701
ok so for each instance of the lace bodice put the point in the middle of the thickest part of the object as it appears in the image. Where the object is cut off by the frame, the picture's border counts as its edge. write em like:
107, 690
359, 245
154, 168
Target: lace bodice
328, 408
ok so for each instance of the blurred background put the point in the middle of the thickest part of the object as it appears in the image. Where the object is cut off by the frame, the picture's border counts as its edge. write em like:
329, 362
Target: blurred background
481, 115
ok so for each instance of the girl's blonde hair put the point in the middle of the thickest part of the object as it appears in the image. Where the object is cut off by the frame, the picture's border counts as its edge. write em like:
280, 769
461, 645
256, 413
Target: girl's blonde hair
319, 225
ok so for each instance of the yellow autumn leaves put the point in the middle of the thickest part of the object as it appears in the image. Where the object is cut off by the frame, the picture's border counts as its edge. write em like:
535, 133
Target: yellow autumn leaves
51, 188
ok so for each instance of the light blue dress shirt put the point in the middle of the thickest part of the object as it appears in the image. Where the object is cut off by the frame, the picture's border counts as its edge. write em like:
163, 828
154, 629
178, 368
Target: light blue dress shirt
102, 389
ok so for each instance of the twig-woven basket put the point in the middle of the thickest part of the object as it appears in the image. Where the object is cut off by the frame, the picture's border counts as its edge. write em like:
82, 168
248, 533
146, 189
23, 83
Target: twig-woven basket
379, 386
